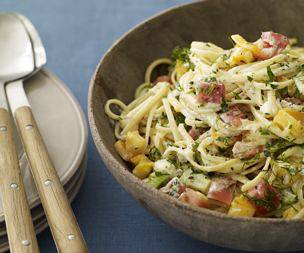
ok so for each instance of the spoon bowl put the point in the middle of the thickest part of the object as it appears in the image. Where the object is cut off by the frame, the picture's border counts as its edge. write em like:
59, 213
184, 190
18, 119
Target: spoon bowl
16, 54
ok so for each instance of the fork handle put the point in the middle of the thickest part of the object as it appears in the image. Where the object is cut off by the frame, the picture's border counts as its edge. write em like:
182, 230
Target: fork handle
64, 227
18, 219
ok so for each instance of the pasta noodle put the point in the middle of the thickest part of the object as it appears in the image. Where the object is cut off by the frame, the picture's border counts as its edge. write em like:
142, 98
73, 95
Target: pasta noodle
227, 124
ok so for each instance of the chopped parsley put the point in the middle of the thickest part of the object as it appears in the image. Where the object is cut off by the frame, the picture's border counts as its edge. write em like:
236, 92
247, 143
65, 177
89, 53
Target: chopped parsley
249, 78
179, 118
264, 131
225, 57
272, 85
236, 95
275, 147
197, 156
182, 54
292, 170
163, 119
210, 79
283, 92
267, 153
154, 154
269, 201
225, 140
224, 106
270, 74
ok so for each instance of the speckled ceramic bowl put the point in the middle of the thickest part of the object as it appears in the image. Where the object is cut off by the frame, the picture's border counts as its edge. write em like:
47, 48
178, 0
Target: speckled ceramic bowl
122, 69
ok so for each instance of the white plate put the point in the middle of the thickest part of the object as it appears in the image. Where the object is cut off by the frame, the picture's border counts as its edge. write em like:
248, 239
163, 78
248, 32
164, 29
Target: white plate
62, 125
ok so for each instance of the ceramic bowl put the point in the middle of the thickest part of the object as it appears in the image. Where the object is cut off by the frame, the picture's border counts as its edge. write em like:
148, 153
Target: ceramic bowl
122, 69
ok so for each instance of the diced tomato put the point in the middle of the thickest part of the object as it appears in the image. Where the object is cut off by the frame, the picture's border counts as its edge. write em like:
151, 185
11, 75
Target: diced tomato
246, 150
271, 44
234, 115
211, 93
221, 189
195, 198
265, 198
295, 101
196, 132
163, 79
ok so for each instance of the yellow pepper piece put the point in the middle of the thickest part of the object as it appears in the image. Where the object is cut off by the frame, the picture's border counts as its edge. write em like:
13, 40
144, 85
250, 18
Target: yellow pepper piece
290, 119
241, 42
296, 114
241, 206
135, 144
291, 211
240, 55
121, 149
180, 69
143, 169
139, 158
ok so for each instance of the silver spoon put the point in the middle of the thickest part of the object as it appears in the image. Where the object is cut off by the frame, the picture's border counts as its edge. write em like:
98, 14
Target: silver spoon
63, 224
15, 63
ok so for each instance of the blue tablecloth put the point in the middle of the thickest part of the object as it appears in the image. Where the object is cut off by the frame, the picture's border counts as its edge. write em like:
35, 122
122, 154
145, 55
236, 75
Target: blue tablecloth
76, 33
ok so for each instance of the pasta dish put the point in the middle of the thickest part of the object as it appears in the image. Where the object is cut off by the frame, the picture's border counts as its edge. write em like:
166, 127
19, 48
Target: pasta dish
222, 129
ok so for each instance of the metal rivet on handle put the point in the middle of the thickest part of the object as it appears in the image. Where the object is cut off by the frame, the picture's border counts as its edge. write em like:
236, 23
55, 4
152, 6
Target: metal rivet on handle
3, 128
71, 237
29, 127
47, 182
14, 185
25, 242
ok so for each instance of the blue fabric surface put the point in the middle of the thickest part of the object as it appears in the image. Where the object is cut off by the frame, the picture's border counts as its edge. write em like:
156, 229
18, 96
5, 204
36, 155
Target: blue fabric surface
76, 33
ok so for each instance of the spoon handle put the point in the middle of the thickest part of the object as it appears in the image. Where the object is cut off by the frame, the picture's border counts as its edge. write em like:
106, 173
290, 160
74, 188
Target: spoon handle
18, 219
63, 224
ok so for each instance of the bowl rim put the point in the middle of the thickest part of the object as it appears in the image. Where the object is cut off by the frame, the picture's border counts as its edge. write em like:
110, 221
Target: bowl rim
107, 157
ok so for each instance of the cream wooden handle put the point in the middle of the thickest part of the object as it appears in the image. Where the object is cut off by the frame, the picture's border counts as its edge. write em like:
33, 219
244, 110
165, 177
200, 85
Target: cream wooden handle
18, 219
66, 232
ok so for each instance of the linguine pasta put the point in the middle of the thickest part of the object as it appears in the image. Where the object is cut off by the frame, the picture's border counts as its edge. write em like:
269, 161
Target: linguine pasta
224, 129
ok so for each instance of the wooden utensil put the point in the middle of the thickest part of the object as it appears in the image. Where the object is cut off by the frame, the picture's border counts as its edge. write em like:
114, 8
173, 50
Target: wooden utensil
63, 224
14, 64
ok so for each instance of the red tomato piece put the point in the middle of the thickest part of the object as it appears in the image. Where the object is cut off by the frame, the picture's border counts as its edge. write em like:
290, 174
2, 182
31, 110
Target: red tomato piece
271, 44
163, 79
211, 93
195, 198
221, 189
265, 198
234, 115
246, 150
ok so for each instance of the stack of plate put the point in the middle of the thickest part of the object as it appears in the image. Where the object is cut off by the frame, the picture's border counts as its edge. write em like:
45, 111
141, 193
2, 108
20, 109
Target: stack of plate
63, 127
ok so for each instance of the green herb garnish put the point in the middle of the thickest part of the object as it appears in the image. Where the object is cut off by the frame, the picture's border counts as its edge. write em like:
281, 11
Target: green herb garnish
179, 118
211, 79
197, 155
249, 78
264, 131
224, 106
223, 139
277, 146
292, 170
182, 54
270, 74
154, 154
283, 92
225, 57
